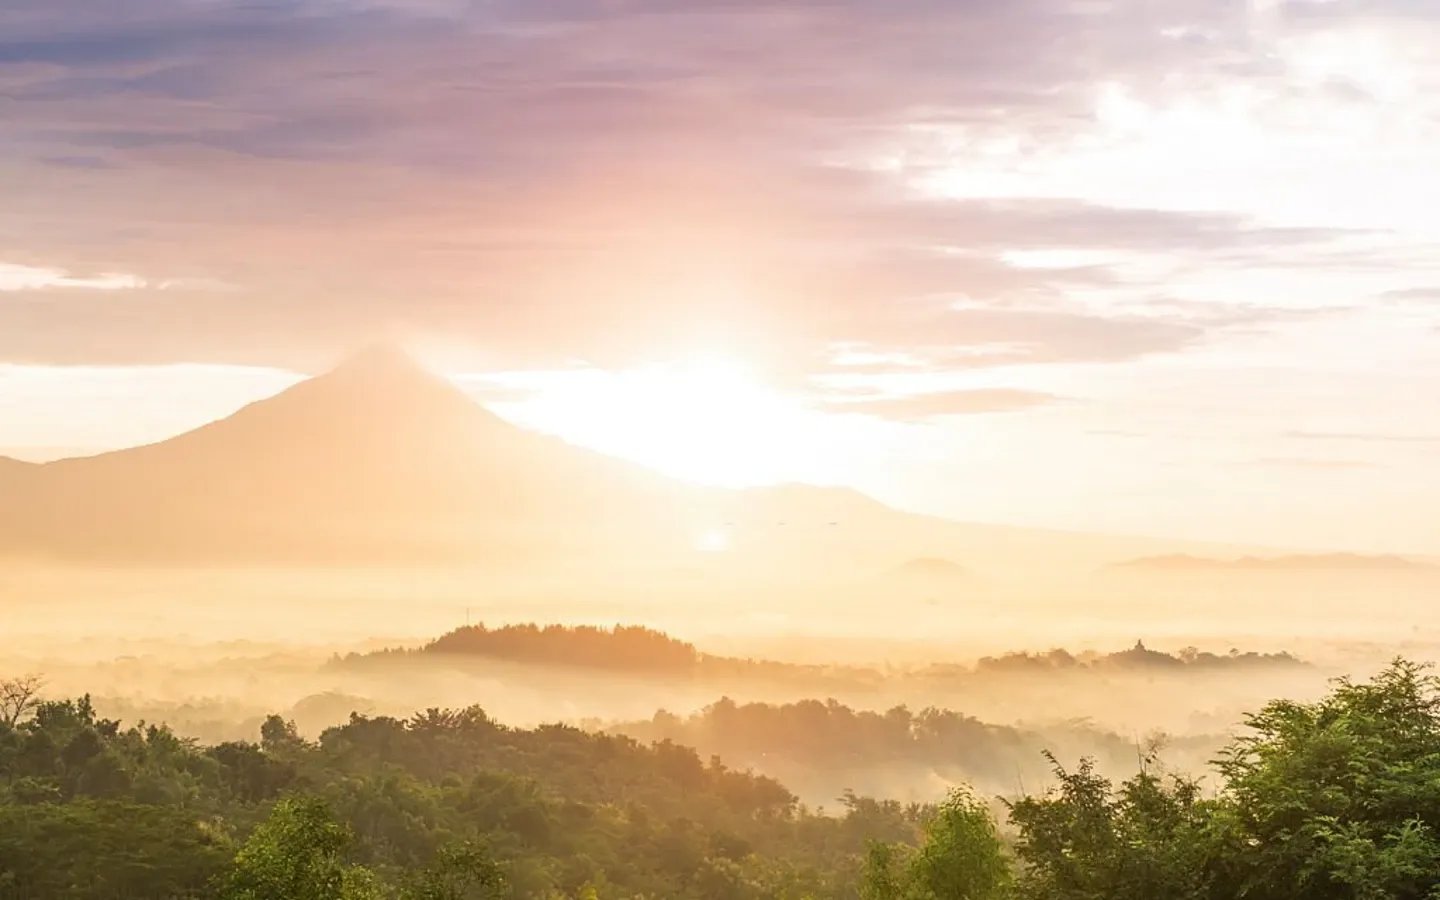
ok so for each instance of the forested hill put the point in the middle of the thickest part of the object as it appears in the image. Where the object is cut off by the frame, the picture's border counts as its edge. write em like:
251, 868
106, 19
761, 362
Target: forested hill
91, 809
815, 746
1331, 800
621, 650
636, 650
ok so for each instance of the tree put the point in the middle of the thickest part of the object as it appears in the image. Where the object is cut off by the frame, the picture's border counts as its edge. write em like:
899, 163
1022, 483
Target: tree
18, 696
1339, 798
1333, 800
279, 736
98, 850
298, 854
962, 858
1088, 841
460, 872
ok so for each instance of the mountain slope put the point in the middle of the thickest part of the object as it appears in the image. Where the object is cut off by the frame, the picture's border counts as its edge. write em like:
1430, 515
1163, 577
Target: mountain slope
12, 471
379, 461
378, 456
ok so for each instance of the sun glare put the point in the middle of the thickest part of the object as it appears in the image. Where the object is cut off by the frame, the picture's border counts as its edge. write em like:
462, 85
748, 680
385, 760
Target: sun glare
712, 541
709, 420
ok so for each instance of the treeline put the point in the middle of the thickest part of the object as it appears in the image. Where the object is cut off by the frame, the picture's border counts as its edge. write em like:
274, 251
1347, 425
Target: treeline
811, 743
644, 651
620, 650
1333, 800
625, 648
91, 809
1137, 657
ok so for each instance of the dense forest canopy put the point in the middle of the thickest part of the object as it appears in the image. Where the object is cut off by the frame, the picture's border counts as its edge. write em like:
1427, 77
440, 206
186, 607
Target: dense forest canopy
1335, 800
92, 808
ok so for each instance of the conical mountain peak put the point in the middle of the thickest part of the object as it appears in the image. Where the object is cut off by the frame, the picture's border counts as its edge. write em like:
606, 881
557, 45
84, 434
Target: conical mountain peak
386, 376
382, 361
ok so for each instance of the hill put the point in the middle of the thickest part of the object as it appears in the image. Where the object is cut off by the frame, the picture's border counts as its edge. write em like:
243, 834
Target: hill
930, 569
638, 652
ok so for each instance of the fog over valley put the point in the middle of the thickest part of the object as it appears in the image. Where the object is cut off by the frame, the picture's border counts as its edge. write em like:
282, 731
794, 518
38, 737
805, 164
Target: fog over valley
719, 451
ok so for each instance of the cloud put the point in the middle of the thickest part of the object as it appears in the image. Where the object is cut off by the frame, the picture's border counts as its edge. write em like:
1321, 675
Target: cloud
1362, 437
605, 181
973, 338
15, 277
1238, 316
1116, 433
486, 391
534, 306
922, 407
1418, 296
1299, 463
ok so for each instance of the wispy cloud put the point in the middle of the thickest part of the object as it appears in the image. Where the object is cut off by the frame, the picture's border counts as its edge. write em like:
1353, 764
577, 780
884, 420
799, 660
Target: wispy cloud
563, 180
1111, 200
1415, 295
32, 278
1302, 463
1364, 437
922, 407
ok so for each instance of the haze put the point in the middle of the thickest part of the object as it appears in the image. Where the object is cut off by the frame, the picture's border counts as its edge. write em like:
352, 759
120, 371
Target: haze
871, 399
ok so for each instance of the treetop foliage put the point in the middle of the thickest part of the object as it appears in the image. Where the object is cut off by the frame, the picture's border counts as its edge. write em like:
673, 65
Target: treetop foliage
1337, 799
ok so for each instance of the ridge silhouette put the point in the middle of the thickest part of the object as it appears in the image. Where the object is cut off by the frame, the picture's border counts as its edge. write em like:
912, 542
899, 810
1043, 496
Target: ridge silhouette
377, 456
381, 461
1313, 562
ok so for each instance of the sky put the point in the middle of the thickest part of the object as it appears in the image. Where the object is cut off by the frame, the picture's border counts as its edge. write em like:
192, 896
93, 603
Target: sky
1140, 266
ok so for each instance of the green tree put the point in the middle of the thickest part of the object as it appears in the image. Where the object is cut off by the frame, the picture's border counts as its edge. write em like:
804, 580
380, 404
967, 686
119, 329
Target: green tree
962, 858
1333, 800
463, 871
98, 850
298, 854
1339, 798
1088, 841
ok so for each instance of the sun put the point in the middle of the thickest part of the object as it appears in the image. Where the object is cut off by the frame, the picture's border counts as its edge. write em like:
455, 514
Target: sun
708, 419
713, 541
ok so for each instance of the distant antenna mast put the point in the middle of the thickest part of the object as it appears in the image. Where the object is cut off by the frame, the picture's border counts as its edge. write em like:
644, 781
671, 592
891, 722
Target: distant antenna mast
467, 617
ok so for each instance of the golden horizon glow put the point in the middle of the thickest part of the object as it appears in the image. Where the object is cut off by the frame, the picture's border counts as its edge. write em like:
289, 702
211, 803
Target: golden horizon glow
709, 419
713, 541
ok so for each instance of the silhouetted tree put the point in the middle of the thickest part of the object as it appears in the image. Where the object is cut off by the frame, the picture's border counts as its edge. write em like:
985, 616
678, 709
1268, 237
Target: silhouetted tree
18, 697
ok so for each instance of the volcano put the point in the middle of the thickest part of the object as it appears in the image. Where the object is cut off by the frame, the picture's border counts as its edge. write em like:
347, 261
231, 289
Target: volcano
382, 461
378, 456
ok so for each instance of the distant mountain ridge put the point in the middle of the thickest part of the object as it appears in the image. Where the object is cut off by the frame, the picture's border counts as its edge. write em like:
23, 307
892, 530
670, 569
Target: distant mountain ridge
382, 462
1327, 562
